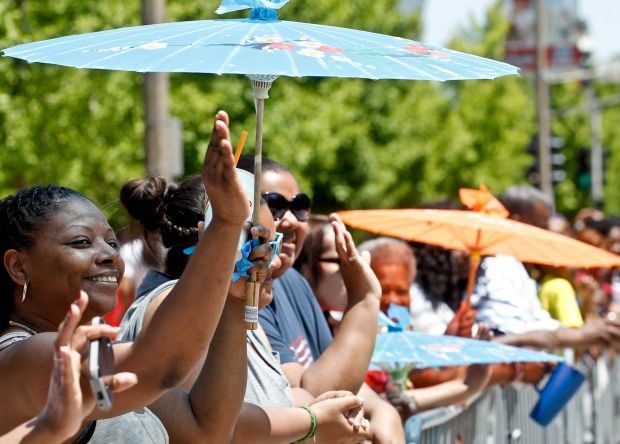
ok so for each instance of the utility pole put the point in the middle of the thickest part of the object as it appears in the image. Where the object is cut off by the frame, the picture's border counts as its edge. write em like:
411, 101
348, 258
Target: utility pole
542, 101
155, 98
596, 147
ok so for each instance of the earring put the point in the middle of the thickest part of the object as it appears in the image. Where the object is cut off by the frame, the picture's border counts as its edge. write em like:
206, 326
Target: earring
24, 291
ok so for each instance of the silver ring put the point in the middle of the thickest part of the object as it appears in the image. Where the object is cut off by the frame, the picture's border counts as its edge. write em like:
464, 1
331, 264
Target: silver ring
354, 258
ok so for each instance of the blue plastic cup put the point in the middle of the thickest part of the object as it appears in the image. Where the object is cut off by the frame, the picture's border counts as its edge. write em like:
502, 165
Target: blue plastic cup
559, 389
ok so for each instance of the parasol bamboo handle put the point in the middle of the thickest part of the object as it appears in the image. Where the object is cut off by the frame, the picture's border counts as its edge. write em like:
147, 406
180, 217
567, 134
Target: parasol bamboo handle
253, 286
474, 263
258, 160
252, 293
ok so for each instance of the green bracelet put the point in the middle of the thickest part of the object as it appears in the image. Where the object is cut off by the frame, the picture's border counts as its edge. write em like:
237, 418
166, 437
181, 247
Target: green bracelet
312, 430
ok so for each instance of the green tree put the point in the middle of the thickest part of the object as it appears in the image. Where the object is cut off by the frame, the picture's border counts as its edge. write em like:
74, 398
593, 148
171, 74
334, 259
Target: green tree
79, 128
572, 123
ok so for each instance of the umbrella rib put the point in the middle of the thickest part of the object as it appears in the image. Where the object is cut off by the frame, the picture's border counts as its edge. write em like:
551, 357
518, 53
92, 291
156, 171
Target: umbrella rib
426, 75
118, 35
470, 61
234, 52
62, 41
327, 31
288, 55
451, 74
135, 48
185, 48
428, 229
360, 36
347, 34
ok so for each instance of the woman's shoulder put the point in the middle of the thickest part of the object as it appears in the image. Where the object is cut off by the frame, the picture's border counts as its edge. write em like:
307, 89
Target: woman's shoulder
16, 343
25, 366
142, 309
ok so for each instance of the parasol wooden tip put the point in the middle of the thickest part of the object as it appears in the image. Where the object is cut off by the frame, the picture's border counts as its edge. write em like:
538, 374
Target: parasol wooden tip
239, 149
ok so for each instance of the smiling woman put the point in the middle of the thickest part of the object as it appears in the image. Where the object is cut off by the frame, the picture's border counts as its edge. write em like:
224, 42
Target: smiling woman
55, 242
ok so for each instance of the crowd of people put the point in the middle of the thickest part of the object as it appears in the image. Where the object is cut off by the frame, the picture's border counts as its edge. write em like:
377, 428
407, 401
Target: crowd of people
185, 367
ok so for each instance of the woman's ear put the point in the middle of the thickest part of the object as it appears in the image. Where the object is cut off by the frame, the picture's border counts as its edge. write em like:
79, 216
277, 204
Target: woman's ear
14, 265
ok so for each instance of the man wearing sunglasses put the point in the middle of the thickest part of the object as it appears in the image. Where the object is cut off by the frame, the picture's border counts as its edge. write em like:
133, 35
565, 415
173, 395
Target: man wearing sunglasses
293, 321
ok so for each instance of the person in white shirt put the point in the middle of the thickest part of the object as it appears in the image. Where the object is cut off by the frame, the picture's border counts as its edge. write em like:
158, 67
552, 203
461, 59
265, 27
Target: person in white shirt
506, 298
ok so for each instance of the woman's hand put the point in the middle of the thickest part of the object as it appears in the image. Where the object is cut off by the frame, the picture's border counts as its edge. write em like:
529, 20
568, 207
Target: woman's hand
224, 189
260, 256
533, 372
334, 424
462, 322
477, 378
358, 277
355, 416
66, 406
404, 403
482, 331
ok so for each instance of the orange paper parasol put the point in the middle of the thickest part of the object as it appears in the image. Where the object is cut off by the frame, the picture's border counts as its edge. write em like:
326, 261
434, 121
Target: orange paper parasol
485, 232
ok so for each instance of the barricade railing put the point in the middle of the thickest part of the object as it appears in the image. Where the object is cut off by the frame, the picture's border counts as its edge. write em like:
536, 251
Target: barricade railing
501, 415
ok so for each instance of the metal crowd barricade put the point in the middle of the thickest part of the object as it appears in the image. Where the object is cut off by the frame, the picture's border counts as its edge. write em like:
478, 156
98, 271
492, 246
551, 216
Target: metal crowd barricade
501, 415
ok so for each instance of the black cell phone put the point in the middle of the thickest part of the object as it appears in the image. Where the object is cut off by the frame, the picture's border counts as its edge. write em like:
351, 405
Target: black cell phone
101, 368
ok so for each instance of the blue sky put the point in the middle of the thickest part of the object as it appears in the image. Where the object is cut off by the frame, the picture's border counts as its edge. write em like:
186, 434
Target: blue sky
602, 17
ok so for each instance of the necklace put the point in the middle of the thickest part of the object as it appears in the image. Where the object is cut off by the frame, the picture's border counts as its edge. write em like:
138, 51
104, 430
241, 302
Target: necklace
25, 327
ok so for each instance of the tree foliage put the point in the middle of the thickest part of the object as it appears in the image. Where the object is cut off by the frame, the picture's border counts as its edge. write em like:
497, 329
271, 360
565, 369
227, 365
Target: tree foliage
573, 124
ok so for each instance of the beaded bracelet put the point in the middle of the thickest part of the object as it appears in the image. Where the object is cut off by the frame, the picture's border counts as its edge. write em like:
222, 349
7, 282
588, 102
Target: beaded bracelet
312, 431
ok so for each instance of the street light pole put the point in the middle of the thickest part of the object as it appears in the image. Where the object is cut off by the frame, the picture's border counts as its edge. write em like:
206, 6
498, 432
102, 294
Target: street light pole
155, 97
596, 147
542, 101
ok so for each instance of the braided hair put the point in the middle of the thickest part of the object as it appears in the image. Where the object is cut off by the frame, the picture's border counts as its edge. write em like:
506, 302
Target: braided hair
437, 275
22, 215
169, 213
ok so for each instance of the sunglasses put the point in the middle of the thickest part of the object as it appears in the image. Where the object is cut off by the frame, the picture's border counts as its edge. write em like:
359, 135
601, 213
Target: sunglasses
279, 205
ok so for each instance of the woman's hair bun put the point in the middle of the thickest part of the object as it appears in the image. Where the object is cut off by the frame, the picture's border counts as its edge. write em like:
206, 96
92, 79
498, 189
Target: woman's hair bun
144, 200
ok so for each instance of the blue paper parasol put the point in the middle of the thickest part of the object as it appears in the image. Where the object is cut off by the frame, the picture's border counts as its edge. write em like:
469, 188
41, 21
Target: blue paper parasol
260, 46
408, 350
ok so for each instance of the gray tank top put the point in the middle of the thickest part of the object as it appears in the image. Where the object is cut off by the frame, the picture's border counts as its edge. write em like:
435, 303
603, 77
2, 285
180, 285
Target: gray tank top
137, 427
131, 325
266, 384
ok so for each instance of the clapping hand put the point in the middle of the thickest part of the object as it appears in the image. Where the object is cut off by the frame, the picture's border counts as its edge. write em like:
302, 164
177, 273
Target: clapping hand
226, 194
66, 406
462, 322
357, 275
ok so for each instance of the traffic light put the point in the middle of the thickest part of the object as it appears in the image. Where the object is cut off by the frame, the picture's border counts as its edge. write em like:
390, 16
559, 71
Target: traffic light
533, 171
584, 172
558, 159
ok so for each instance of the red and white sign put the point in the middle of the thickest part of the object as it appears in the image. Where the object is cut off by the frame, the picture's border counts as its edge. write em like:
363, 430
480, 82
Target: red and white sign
562, 33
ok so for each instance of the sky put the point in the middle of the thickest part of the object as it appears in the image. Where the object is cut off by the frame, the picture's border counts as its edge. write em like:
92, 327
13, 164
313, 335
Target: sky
601, 16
